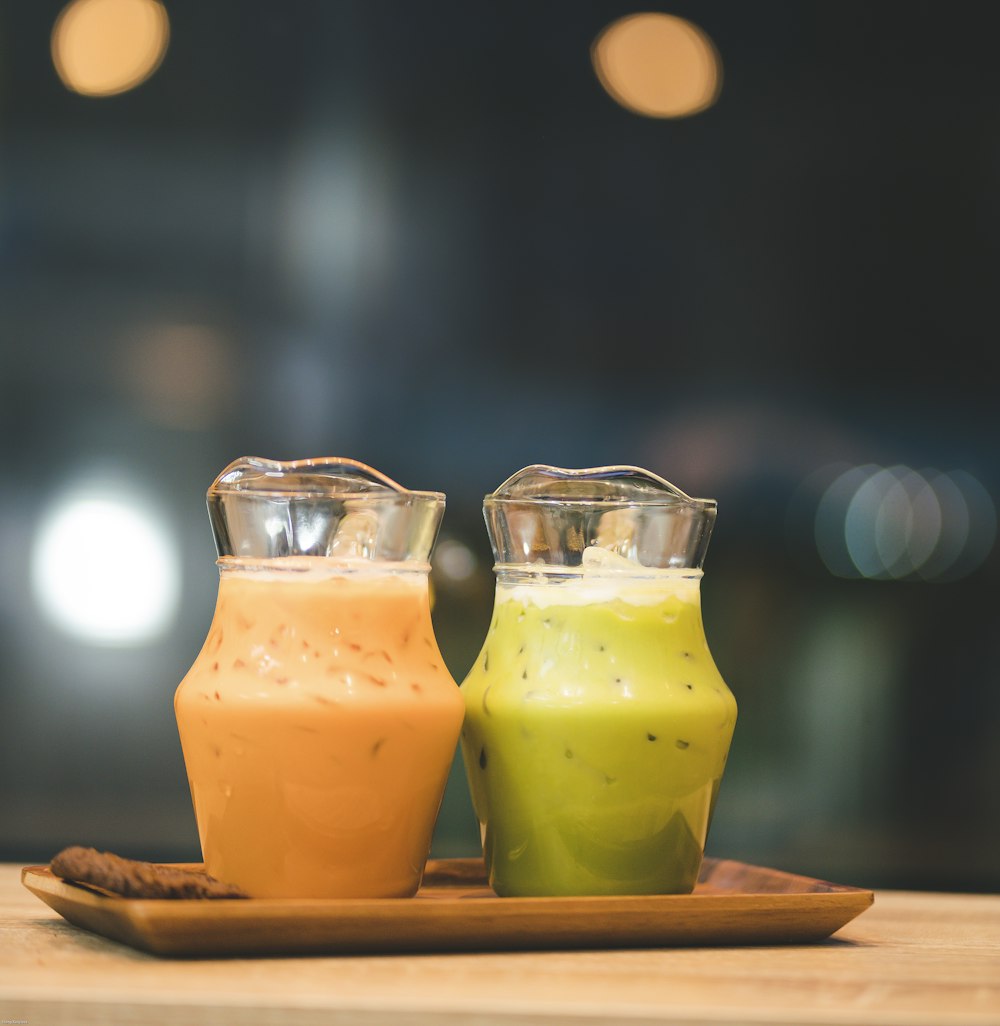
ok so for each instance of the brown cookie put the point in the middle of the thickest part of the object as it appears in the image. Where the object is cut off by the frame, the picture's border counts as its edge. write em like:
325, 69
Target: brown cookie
133, 879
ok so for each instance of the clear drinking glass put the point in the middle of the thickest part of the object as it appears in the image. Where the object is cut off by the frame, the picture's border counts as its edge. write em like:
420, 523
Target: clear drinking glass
319, 722
597, 725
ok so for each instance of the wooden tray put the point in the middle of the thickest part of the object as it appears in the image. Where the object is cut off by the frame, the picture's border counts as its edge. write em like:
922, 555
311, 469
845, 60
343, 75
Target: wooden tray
455, 910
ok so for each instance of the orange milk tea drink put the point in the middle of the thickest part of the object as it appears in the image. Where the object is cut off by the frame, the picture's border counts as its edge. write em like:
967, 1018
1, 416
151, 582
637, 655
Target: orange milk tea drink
319, 723
597, 724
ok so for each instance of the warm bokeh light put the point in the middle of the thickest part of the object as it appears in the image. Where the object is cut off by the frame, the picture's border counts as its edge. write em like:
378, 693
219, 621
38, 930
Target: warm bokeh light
658, 65
179, 375
104, 569
896, 522
104, 47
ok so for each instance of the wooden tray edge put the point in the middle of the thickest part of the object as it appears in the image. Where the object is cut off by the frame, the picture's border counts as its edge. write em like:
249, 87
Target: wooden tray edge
226, 928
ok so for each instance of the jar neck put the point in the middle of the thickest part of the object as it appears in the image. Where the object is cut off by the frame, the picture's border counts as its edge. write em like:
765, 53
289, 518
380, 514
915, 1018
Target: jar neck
316, 568
542, 575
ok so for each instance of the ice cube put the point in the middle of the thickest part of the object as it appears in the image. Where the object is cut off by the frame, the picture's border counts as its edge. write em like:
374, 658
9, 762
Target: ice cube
597, 558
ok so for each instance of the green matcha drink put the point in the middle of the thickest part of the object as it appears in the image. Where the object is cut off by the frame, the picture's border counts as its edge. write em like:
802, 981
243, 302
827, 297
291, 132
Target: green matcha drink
597, 725
596, 732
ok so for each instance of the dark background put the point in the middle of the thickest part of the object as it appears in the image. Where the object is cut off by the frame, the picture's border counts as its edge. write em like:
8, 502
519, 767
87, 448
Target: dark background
423, 236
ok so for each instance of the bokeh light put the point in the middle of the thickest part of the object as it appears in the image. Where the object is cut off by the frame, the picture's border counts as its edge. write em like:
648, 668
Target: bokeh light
104, 568
455, 560
179, 375
896, 522
105, 47
658, 65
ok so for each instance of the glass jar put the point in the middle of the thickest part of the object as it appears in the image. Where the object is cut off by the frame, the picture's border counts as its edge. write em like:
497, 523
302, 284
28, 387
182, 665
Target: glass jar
597, 725
319, 722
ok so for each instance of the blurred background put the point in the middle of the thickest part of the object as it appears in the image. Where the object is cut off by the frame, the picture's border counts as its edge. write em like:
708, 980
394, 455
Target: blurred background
751, 247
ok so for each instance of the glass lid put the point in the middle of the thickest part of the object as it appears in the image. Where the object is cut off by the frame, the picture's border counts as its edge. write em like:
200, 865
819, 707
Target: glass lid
329, 506
554, 516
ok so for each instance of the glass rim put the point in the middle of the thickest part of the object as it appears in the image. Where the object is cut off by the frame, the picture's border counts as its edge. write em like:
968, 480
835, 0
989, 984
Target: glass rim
380, 487
611, 502
651, 490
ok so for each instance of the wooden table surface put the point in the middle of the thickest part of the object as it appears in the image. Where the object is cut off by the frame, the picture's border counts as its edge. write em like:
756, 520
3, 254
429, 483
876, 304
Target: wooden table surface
913, 959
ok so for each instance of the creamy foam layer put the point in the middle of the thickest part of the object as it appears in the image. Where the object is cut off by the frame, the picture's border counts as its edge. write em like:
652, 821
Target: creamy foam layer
602, 577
